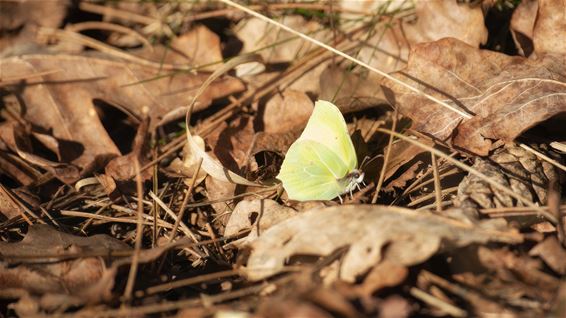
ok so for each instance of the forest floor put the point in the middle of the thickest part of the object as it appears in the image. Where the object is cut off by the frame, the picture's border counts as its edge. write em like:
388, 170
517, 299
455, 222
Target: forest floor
141, 144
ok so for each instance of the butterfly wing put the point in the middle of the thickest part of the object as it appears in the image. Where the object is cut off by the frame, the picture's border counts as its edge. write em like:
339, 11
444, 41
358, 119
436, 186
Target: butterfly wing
328, 127
311, 171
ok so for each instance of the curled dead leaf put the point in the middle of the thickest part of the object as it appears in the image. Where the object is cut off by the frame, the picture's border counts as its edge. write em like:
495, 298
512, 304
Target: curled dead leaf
188, 163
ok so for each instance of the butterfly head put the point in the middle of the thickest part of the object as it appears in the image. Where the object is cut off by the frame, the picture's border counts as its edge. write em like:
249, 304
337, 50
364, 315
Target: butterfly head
353, 179
357, 176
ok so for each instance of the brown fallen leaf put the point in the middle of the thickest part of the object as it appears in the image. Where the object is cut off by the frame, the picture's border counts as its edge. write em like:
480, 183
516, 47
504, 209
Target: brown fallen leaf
411, 237
8, 206
257, 216
388, 49
52, 100
552, 253
287, 111
550, 28
187, 164
122, 169
278, 46
520, 270
521, 26
198, 47
385, 274
18, 138
34, 266
351, 91
289, 308
20, 21
508, 95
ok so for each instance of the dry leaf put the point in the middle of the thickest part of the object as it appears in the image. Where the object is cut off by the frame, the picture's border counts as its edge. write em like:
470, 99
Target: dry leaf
62, 101
552, 253
188, 163
231, 145
513, 167
522, 24
257, 216
8, 207
287, 111
388, 49
20, 21
17, 138
122, 169
550, 28
525, 273
350, 91
36, 267
508, 95
199, 47
279, 46
290, 308
411, 237
385, 274
437, 19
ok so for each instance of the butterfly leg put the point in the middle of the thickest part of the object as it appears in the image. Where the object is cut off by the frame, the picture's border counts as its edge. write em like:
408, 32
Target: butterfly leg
341, 201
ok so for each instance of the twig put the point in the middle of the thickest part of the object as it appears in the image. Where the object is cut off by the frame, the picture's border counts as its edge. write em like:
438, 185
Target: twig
189, 281
544, 157
429, 196
172, 214
385, 159
185, 201
113, 12
437, 189
100, 25
139, 233
438, 303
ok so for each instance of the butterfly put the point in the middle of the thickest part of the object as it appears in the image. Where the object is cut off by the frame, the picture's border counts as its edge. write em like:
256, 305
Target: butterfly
322, 163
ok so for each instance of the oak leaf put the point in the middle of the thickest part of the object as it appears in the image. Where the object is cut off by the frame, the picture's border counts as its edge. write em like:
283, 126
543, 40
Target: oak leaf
505, 95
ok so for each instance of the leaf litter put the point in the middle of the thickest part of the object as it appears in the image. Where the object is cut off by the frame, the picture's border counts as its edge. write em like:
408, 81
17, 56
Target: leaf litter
214, 234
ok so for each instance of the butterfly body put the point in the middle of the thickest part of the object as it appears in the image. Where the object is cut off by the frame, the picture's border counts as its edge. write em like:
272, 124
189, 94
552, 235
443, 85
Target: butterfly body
322, 163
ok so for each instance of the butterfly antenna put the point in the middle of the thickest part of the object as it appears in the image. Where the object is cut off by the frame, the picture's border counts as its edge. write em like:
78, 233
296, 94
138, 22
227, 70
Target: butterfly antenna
365, 163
